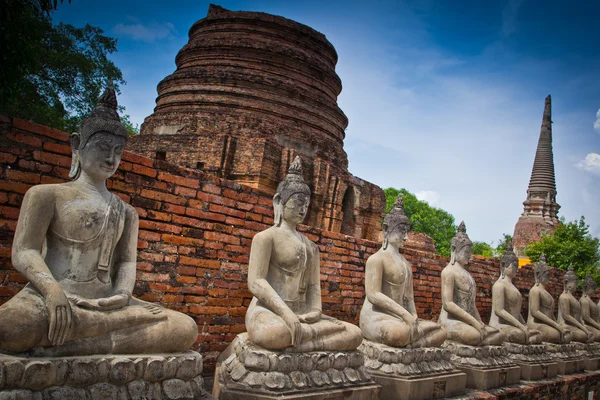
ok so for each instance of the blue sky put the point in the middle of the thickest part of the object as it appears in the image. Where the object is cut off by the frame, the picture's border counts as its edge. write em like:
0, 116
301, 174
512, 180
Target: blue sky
444, 98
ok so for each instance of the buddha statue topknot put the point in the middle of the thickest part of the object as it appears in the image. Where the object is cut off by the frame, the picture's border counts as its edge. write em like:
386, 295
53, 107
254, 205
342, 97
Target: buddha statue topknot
389, 315
506, 303
284, 277
76, 243
459, 312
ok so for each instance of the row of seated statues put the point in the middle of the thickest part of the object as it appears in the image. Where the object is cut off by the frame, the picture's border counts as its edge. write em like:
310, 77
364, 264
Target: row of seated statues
76, 244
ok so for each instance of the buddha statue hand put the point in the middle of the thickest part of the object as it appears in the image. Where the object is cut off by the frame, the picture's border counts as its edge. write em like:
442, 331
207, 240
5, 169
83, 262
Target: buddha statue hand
310, 317
59, 313
294, 325
114, 302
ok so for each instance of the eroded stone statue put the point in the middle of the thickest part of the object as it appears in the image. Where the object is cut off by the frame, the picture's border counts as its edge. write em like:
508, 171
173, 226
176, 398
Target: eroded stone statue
541, 308
389, 315
506, 303
590, 312
569, 310
459, 313
284, 277
76, 244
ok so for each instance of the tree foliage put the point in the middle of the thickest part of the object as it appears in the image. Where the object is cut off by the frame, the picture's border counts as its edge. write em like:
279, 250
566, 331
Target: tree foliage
570, 244
435, 222
483, 249
502, 243
51, 74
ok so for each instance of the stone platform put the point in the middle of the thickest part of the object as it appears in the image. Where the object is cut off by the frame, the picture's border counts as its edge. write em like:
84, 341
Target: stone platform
162, 376
534, 360
246, 371
413, 374
487, 367
569, 357
592, 354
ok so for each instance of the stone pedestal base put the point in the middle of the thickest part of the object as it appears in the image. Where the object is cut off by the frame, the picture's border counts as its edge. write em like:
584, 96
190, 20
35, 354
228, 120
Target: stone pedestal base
246, 371
535, 372
568, 367
160, 376
568, 357
486, 379
592, 364
413, 374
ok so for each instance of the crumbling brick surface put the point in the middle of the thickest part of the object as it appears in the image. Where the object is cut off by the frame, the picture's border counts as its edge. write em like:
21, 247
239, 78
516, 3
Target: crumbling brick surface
195, 234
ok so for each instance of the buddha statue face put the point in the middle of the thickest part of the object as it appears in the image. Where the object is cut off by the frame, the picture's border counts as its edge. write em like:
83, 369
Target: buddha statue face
99, 158
511, 270
397, 235
464, 254
294, 210
509, 263
461, 246
589, 285
570, 280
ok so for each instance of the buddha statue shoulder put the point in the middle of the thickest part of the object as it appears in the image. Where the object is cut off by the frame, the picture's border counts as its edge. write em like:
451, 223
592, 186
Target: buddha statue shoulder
541, 307
569, 310
590, 312
76, 244
284, 277
389, 314
459, 313
506, 303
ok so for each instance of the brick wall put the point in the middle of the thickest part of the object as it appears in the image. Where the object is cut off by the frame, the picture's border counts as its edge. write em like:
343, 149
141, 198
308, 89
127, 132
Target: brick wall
195, 235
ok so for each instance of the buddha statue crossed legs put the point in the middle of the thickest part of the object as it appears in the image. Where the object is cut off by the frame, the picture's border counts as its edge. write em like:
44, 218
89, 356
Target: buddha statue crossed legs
76, 244
388, 314
590, 312
506, 303
569, 310
541, 308
284, 277
459, 313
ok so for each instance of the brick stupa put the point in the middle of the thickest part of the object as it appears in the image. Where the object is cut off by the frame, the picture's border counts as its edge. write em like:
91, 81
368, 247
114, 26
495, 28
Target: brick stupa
540, 208
250, 92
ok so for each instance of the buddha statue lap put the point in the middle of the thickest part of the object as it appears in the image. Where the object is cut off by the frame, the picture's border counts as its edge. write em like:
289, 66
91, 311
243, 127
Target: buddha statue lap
76, 243
506, 303
590, 311
459, 313
569, 310
284, 277
541, 308
389, 314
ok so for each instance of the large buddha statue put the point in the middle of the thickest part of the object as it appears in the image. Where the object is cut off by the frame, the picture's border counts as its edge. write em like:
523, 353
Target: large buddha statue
76, 244
541, 308
284, 277
459, 313
388, 314
569, 310
506, 303
590, 312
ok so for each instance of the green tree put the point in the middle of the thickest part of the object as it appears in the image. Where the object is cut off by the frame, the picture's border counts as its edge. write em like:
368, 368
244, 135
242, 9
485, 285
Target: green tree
51, 74
570, 244
502, 243
435, 222
483, 249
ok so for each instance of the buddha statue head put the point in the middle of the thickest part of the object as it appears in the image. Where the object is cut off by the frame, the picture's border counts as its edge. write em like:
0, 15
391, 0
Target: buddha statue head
509, 263
589, 285
570, 280
542, 271
97, 149
461, 247
396, 225
293, 196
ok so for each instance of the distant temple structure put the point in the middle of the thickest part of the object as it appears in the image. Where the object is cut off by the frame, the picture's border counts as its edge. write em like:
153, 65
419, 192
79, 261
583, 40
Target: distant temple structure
252, 91
540, 208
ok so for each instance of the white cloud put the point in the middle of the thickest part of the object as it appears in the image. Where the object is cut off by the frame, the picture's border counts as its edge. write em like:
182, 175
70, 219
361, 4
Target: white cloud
145, 33
597, 122
591, 163
430, 196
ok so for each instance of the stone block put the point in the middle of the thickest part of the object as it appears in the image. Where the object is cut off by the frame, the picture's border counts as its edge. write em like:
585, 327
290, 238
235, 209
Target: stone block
421, 388
591, 364
486, 379
535, 372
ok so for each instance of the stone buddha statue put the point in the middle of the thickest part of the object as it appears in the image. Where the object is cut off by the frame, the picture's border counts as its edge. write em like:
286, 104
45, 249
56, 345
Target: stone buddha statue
541, 308
590, 312
284, 277
506, 303
459, 313
388, 314
76, 244
569, 310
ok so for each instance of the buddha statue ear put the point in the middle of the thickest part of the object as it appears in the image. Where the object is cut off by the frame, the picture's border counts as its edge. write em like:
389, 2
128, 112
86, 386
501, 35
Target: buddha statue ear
277, 209
75, 167
384, 228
